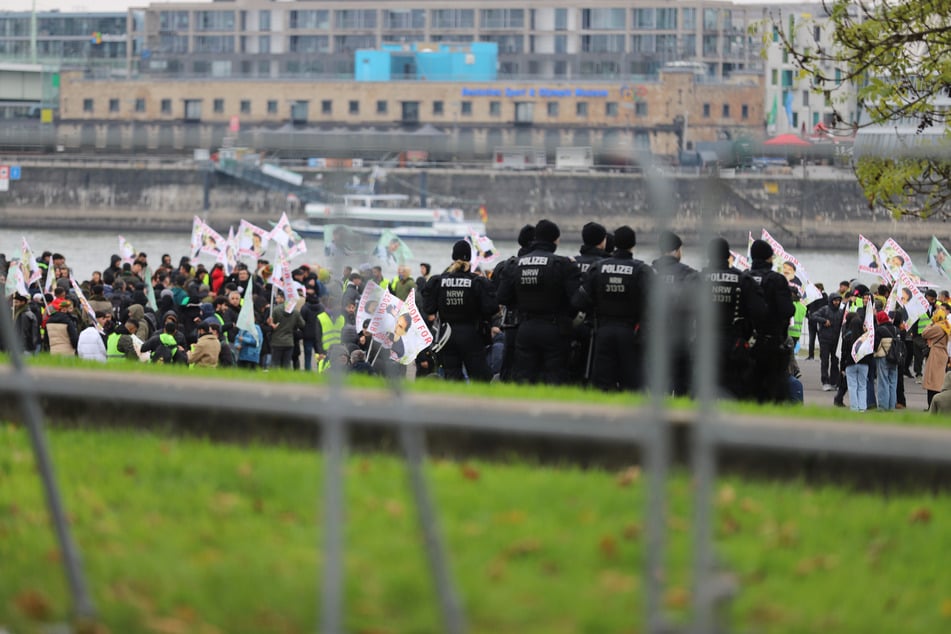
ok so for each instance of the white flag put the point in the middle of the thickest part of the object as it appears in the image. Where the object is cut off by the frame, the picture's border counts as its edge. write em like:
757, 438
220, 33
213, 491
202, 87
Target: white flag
865, 345
869, 260
126, 250
245, 319
369, 300
411, 332
383, 322
87, 308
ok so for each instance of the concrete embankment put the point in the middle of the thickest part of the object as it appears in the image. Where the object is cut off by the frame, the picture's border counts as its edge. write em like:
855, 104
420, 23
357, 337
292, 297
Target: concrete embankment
584, 434
823, 208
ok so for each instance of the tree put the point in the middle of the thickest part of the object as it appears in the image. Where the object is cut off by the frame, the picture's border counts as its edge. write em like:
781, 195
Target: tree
898, 55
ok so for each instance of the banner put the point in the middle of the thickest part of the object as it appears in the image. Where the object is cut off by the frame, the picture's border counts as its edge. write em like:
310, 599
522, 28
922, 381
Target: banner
87, 308
126, 251
252, 240
289, 239
342, 241
245, 320
739, 261
484, 254
865, 345
197, 233
391, 252
794, 272
869, 260
411, 335
31, 268
911, 298
285, 281
369, 300
895, 259
209, 240
16, 282
228, 257
383, 322
938, 258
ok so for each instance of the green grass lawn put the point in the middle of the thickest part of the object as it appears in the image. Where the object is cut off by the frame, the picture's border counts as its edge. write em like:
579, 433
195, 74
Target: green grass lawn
187, 536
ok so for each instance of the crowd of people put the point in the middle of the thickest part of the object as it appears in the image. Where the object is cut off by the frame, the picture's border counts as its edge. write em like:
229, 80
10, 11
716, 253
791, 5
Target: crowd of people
537, 317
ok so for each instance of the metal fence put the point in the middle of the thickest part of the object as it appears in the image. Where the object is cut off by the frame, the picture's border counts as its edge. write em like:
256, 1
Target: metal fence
649, 428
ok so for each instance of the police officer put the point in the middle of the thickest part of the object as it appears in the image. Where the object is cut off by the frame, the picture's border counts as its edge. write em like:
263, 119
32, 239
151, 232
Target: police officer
594, 237
769, 305
732, 329
464, 301
509, 322
542, 288
681, 280
615, 290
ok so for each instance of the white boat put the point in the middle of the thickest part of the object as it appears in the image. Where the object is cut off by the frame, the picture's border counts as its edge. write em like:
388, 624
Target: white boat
372, 214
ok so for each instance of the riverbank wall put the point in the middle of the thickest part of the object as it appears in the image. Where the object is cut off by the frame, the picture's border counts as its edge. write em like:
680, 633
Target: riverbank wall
821, 208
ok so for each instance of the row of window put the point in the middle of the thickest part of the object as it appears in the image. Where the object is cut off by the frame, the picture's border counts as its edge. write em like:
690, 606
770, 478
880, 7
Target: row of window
669, 46
523, 110
610, 19
62, 25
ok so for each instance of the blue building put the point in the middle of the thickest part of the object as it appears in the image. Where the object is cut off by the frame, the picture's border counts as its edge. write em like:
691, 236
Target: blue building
473, 61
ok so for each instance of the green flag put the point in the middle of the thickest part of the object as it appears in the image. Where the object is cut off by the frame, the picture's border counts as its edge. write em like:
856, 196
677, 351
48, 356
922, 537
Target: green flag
149, 290
771, 120
938, 258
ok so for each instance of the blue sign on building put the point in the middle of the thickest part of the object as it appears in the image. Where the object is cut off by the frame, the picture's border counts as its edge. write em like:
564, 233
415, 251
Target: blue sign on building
14, 172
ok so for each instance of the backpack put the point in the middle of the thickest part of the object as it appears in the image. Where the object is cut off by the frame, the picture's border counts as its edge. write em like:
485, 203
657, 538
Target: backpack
896, 353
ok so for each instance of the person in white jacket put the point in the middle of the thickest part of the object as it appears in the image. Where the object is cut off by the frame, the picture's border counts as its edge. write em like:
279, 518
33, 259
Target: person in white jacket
92, 346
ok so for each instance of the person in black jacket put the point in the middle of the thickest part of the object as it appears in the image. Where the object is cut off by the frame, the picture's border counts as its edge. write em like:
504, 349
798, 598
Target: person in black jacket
464, 302
827, 323
682, 281
811, 309
542, 287
768, 302
510, 320
594, 238
732, 328
615, 289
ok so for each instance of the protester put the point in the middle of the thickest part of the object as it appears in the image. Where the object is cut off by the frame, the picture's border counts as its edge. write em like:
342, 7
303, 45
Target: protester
936, 337
92, 345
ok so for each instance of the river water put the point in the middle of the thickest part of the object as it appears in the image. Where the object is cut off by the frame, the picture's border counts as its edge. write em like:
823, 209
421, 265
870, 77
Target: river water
88, 251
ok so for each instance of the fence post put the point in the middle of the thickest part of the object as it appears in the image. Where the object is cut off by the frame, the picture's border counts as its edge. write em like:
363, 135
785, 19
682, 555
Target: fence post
83, 608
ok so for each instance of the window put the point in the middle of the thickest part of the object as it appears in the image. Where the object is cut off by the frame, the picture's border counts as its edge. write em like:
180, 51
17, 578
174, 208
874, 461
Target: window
214, 20
404, 19
465, 108
326, 106
310, 20
602, 43
610, 109
166, 106
689, 19
561, 19
245, 106
552, 108
644, 18
452, 18
745, 112
381, 106
272, 106
355, 19
410, 112
264, 44
805, 97
140, 105
502, 18
87, 105
787, 78
581, 109
264, 20
218, 105
774, 77
726, 111
640, 109
299, 111
495, 108
524, 112
113, 105
706, 110
603, 19
353, 106
667, 19
437, 107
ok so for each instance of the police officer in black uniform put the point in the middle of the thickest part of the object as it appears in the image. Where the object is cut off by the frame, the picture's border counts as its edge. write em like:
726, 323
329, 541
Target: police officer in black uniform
682, 282
615, 289
593, 237
509, 321
732, 329
770, 308
463, 301
542, 288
